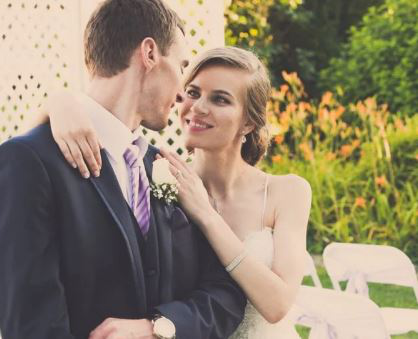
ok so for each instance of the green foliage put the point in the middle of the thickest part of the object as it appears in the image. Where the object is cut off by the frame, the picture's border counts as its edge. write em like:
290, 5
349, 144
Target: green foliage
381, 58
360, 162
360, 159
296, 36
305, 39
247, 27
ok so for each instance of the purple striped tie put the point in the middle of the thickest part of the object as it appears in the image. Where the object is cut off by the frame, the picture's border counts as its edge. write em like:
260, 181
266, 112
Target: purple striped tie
140, 197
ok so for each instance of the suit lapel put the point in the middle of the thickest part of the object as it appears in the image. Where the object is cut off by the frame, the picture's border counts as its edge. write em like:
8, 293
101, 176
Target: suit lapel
160, 216
109, 190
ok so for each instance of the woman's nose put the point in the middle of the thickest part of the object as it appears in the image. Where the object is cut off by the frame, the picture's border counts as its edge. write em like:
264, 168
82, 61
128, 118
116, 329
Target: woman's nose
200, 107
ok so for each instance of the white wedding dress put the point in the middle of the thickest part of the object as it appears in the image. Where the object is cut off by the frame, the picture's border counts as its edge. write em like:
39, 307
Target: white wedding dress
260, 245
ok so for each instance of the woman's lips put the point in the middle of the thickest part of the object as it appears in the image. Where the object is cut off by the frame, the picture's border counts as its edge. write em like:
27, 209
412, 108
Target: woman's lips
195, 125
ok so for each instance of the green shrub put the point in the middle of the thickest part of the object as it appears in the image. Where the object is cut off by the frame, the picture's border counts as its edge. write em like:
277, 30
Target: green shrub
294, 35
361, 164
380, 58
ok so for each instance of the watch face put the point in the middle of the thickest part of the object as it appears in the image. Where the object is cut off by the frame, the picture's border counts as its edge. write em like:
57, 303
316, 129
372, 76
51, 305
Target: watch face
164, 328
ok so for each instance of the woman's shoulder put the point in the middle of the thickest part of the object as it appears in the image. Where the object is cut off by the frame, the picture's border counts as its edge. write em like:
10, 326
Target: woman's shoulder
289, 181
289, 186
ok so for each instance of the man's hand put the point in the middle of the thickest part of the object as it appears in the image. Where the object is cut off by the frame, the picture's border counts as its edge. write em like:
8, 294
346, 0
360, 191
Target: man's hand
113, 328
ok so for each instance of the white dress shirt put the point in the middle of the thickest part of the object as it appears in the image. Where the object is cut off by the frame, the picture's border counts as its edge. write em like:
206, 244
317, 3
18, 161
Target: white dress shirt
115, 137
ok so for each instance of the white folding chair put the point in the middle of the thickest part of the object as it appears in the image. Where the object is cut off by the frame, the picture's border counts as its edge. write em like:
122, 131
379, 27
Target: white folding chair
310, 270
332, 314
362, 263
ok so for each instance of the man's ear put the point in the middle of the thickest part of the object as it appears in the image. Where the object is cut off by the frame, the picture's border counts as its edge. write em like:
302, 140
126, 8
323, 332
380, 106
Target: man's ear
150, 54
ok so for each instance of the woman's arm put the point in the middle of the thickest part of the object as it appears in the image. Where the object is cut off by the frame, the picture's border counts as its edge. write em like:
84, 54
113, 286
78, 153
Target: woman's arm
271, 291
72, 130
274, 291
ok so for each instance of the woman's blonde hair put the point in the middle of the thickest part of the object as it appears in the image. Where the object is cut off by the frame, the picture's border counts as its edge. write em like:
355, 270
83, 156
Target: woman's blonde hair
257, 94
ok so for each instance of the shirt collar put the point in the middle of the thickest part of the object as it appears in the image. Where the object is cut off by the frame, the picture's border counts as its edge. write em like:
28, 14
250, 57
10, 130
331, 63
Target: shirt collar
113, 134
140, 142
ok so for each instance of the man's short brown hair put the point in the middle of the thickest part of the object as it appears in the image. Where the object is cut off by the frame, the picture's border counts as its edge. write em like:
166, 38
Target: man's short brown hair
117, 28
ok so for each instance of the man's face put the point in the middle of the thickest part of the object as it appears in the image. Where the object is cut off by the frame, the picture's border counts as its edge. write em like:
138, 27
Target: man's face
166, 84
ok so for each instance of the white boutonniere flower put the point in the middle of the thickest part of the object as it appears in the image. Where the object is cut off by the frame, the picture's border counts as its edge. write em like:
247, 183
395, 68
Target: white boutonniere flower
164, 184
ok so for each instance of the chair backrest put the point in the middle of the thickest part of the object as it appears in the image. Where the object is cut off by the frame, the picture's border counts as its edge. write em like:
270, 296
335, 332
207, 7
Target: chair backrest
310, 270
371, 263
334, 314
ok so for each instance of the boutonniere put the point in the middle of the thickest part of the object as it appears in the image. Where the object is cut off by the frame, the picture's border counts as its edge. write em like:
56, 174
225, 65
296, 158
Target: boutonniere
164, 184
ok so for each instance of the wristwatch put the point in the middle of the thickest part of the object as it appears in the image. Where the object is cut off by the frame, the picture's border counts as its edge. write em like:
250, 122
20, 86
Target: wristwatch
163, 327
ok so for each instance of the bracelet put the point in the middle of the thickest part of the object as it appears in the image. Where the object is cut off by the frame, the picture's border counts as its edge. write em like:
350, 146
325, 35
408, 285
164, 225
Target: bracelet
236, 261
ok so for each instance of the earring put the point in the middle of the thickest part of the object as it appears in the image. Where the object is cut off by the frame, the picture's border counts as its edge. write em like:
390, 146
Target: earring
244, 139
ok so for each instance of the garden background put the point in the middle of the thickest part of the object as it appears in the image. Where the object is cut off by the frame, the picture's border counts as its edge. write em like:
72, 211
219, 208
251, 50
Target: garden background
343, 110
343, 116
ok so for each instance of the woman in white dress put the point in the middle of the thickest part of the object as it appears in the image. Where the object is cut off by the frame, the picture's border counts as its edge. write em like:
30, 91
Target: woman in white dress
255, 222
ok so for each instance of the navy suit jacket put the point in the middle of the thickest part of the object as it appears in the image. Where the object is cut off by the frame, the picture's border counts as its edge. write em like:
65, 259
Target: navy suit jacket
71, 256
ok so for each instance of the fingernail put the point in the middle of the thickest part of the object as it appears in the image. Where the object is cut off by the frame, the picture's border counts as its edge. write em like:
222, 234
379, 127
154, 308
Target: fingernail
97, 174
86, 175
74, 165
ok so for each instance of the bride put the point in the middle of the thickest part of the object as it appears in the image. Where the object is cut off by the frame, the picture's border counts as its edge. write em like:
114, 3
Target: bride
255, 222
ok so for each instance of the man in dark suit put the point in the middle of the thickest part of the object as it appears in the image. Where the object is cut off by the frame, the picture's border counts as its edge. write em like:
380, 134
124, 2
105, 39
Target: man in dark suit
77, 255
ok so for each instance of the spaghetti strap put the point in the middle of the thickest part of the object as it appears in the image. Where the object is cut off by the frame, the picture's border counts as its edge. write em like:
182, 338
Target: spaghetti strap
265, 201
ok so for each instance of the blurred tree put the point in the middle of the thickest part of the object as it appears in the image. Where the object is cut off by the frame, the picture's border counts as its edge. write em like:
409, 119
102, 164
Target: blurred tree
247, 26
294, 35
380, 59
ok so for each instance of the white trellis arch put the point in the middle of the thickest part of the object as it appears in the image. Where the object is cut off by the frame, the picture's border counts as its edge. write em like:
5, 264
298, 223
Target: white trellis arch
41, 50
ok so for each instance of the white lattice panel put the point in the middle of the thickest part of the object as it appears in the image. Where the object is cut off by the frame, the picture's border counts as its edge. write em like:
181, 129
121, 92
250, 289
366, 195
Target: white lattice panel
41, 49
38, 41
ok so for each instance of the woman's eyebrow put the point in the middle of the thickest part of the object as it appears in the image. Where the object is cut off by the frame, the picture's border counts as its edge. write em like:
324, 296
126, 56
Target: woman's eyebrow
221, 91
216, 91
193, 86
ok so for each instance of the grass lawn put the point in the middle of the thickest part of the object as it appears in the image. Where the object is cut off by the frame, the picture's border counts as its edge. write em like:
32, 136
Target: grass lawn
383, 295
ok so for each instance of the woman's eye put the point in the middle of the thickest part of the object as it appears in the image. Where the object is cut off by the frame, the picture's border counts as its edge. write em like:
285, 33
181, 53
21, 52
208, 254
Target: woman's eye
221, 100
191, 93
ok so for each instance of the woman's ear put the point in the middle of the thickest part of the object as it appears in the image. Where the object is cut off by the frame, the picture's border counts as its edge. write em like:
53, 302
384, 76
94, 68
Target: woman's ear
149, 53
248, 127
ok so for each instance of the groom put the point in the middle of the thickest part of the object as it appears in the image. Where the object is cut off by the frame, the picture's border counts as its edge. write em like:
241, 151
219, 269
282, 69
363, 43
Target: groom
99, 257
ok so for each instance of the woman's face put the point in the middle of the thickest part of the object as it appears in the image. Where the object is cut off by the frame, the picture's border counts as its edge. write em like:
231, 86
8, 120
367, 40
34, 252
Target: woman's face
212, 113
